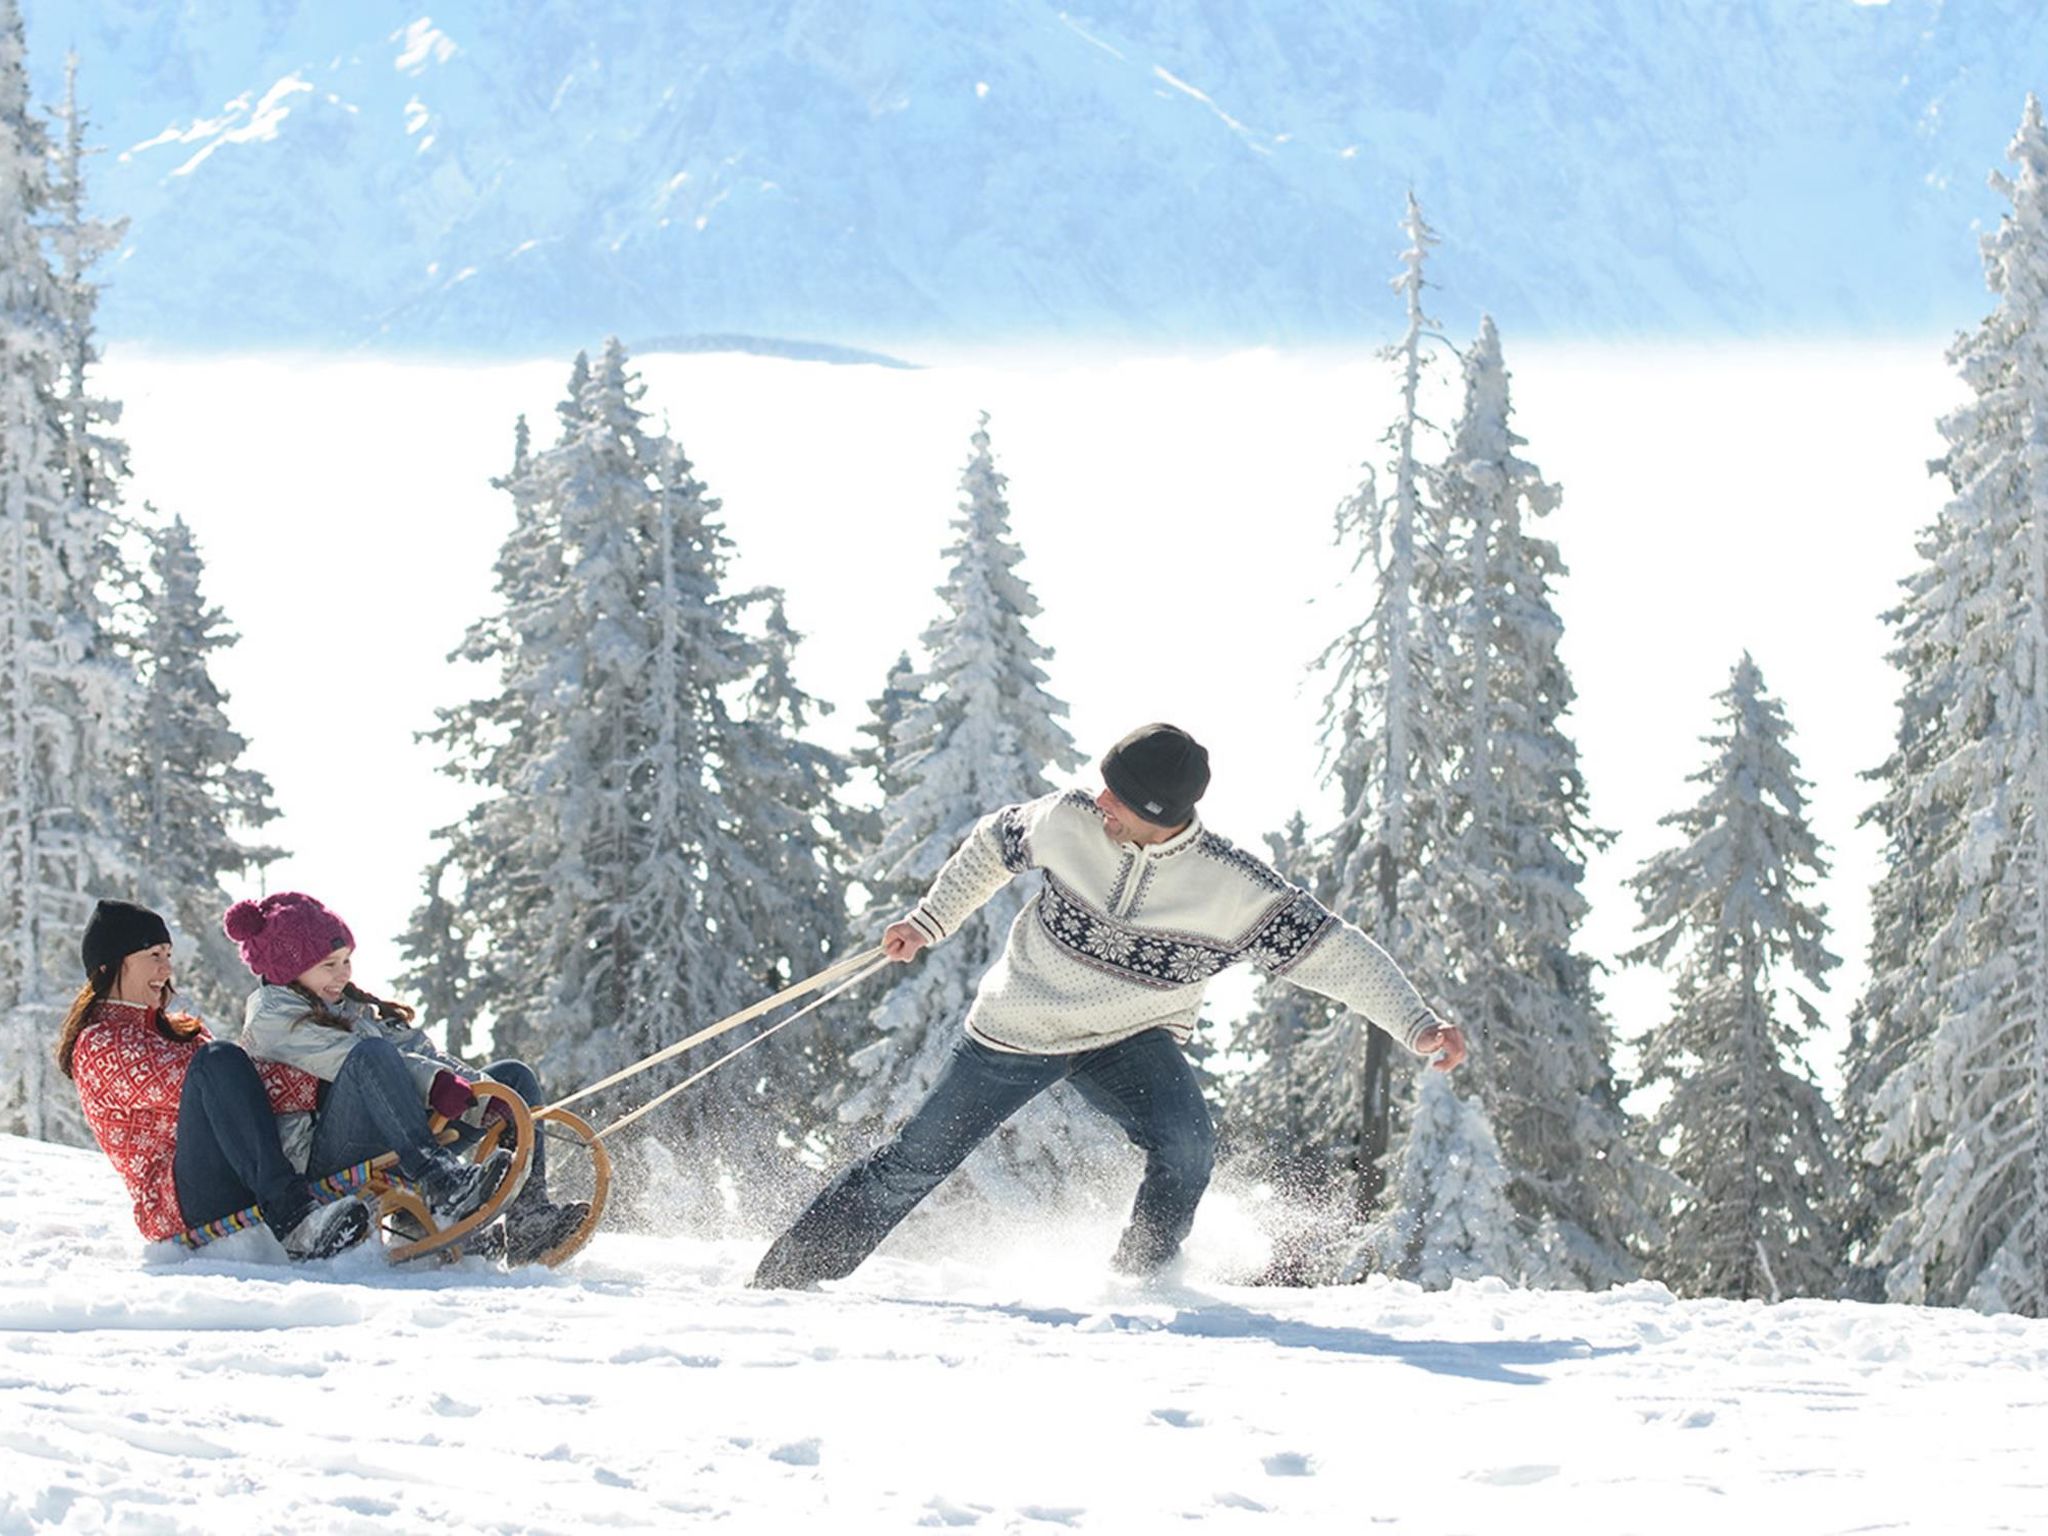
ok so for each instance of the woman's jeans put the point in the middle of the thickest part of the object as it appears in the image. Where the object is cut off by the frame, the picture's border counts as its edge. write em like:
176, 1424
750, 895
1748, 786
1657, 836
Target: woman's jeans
1143, 1083
227, 1156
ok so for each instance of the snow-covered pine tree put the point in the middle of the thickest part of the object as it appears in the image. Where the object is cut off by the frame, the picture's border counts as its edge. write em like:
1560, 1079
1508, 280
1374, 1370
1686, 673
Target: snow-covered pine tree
873, 760
794, 841
1267, 1101
1507, 877
983, 733
1386, 732
439, 976
1448, 1214
95, 461
87, 528
886, 712
482, 882
1914, 904
1747, 1126
1267, 1133
651, 849
51, 675
1951, 1067
187, 795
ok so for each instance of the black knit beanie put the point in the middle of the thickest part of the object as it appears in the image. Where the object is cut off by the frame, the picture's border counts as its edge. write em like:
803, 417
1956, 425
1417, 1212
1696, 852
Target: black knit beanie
1159, 771
116, 930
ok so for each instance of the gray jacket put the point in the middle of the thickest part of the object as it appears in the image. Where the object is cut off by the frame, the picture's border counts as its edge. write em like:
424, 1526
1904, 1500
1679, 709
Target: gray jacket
277, 1025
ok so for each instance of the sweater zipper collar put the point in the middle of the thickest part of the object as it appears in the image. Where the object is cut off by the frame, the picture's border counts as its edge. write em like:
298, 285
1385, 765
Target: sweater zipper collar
1131, 879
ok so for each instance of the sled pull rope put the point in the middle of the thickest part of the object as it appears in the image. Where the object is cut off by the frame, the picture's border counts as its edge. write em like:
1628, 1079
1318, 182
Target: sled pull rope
655, 1103
871, 958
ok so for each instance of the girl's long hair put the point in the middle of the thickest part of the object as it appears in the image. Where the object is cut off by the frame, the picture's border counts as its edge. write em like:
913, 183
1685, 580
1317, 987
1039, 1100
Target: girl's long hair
317, 1012
98, 985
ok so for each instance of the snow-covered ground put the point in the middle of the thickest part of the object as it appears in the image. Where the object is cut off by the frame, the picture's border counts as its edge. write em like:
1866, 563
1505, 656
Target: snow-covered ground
644, 1387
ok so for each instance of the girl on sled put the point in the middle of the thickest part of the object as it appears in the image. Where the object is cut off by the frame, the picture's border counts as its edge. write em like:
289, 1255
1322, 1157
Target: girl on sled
189, 1122
378, 1073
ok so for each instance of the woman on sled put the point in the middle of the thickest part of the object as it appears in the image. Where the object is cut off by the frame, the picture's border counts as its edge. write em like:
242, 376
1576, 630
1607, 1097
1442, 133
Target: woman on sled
189, 1122
379, 1074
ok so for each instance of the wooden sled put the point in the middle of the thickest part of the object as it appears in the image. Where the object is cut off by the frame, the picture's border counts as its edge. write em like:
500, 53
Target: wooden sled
403, 1221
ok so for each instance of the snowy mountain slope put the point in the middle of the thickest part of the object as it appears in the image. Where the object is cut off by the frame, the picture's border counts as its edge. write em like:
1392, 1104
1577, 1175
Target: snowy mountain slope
890, 171
643, 1388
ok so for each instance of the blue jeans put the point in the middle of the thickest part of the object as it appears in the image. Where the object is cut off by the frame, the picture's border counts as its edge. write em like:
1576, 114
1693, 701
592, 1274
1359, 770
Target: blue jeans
1143, 1083
227, 1156
522, 1080
374, 1106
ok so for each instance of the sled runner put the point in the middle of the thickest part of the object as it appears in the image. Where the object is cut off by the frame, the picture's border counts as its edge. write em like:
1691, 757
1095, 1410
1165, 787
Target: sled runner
402, 1218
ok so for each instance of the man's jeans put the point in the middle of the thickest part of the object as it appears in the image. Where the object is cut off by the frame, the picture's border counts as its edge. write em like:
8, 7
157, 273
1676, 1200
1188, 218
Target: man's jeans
227, 1157
1143, 1083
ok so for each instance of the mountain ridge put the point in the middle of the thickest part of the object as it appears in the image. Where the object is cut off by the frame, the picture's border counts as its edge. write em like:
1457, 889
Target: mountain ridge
881, 173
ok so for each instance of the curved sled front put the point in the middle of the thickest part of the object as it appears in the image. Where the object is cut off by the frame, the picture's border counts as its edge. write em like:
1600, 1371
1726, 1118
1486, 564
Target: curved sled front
395, 1200
600, 1173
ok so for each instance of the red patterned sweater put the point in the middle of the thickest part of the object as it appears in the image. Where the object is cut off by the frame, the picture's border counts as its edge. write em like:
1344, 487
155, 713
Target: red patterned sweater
130, 1077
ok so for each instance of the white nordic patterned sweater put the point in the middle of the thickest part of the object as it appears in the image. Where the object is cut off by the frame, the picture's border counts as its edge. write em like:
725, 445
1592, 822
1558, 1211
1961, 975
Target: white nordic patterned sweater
1123, 939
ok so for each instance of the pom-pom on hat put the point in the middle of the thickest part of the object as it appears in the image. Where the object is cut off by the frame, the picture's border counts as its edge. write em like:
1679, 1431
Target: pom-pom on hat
1159, 771
116, 930
284, 936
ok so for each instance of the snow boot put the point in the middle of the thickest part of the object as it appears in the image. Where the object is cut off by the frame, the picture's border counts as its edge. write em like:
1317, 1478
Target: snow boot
456, 1188
533, 1227
327, 1230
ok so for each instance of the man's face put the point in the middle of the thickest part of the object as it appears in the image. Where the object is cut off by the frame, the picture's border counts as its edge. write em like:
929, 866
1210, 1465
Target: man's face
1125, 825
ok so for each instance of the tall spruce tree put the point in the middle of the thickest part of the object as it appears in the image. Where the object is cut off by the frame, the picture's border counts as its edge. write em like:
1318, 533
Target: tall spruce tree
1507, 877
1949, 1068
654, 846
52, 678
1268, 1102
1385, 733
97, 631
189, 796
1747, 1126
95, 461
983, 733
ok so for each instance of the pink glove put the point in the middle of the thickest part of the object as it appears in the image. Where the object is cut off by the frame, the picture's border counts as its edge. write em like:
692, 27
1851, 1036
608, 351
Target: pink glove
449, 1096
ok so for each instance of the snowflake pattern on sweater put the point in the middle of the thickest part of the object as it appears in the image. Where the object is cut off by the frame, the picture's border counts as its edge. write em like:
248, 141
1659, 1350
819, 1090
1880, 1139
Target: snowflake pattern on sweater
131, 1080
1121, 939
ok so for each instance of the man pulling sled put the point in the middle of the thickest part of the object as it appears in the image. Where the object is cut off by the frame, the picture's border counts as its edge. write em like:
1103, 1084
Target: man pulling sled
1098, 985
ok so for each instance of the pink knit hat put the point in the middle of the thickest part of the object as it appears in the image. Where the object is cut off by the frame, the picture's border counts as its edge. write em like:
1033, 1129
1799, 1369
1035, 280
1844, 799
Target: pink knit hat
284, 936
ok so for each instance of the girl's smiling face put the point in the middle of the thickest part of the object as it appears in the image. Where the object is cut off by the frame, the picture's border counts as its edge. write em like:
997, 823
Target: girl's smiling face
330, 978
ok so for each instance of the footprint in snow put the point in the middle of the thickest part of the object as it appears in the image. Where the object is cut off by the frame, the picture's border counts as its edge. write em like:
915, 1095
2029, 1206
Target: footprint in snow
798, 1453
1290, 1464
1179, 1418
1512, 1477
946, 1512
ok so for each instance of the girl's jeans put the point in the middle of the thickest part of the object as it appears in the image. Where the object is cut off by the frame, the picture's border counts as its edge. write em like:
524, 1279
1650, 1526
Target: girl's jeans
375, 1106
